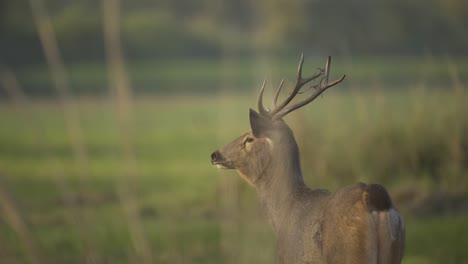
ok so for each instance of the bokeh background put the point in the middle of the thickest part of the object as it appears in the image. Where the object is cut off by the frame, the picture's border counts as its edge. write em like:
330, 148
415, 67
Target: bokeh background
109, 111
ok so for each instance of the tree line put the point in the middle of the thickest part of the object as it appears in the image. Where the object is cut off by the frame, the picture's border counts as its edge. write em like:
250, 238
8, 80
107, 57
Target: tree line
168, 28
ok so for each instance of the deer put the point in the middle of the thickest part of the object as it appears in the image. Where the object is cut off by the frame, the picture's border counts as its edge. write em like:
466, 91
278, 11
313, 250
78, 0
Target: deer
355, 224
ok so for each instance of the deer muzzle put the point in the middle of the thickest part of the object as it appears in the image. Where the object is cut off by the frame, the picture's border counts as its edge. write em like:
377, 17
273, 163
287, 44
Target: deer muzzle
219, 161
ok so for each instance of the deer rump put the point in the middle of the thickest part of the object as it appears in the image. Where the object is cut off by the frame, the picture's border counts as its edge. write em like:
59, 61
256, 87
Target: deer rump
356, 224
362, 224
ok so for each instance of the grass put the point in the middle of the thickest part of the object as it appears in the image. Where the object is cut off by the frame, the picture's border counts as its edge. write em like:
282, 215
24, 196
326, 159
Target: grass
447, 234
192, 213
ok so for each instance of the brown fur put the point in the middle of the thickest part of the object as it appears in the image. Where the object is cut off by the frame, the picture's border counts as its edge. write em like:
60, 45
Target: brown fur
356, 224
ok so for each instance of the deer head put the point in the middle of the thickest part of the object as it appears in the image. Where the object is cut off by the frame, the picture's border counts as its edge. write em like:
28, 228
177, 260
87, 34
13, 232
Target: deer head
270, 145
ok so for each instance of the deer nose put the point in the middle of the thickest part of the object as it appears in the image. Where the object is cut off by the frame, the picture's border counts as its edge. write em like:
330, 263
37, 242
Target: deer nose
214, 156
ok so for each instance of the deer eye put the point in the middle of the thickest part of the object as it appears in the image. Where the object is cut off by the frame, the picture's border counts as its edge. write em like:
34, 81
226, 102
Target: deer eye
249, 139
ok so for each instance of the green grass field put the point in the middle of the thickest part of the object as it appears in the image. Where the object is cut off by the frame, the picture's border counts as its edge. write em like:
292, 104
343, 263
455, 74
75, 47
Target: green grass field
415, 143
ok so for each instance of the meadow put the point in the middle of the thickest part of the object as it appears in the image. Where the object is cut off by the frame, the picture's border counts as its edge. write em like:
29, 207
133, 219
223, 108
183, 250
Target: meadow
62, 205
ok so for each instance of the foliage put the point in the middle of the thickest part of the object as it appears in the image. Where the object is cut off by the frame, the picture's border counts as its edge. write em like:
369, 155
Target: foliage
180, 28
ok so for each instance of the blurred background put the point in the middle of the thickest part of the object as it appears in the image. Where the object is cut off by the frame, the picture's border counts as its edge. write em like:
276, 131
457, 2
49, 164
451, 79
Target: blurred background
110, 109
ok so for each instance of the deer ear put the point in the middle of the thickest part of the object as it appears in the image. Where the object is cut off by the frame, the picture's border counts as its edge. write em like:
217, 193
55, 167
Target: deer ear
259, 124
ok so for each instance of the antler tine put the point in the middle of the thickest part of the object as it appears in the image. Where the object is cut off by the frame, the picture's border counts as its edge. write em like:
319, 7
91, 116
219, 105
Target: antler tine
262, 109
324, 85
278, 92
299, 67
299, 83
327, 70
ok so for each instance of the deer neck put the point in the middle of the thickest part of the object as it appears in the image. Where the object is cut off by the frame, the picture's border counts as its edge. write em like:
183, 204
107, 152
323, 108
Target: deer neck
280, 183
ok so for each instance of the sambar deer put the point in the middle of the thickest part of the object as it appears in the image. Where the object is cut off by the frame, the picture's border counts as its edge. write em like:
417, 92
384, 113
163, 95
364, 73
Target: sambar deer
356, 224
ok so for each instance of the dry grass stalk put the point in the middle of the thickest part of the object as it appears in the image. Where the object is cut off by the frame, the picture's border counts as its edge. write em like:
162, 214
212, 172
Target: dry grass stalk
70, 110
121, 94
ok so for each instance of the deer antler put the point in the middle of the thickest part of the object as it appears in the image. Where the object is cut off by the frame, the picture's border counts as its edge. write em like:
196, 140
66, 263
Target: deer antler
279, 111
